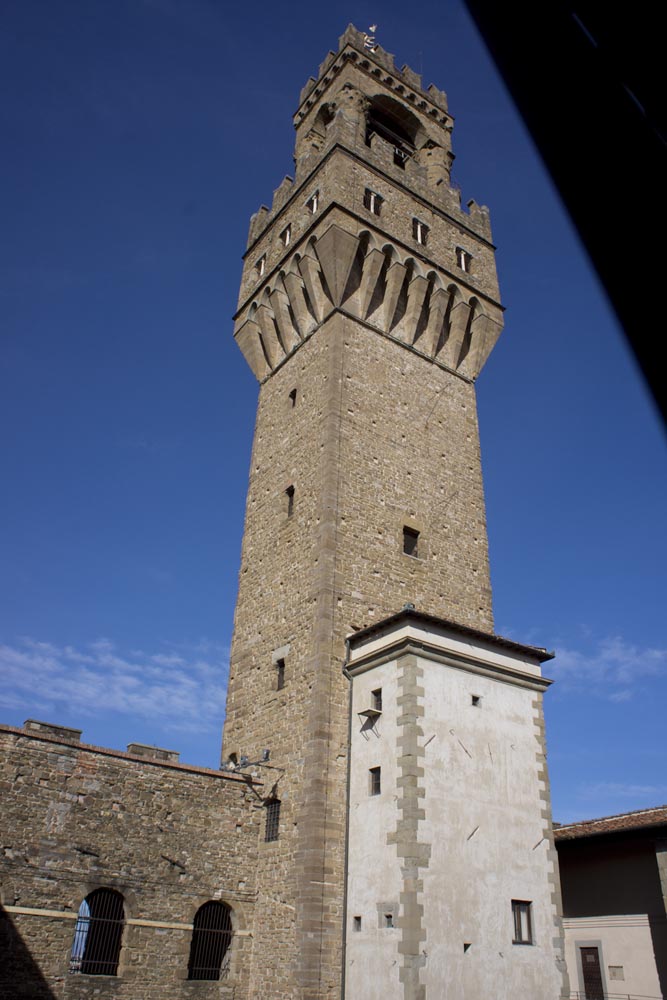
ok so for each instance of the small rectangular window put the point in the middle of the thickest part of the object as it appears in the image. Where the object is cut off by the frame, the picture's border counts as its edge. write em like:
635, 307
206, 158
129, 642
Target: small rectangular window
419, 232
410, 542
313, 202
356, 923
289, 493
372, 201
286, 236
260, 266
272, 829
292, 397
389, 919
375, 781
463, 259
376, 699
476, 700
523, 925
280, 675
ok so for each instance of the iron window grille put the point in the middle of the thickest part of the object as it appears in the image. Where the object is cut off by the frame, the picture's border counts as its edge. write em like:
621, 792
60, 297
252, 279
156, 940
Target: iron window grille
523, 925
98, 934
272, 830
211, 938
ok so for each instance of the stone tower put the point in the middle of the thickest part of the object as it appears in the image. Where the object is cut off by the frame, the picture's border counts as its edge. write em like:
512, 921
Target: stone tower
368, 305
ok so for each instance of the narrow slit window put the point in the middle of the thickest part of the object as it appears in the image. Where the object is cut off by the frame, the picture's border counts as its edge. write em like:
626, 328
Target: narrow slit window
272, 829
420, 232
523, 924
356, 923
286, 236
476, 700
289, 494
313, 202
372, 201
280, 675
260, 266
376, 699
411, 542
375, 781
389, 919
463, 259
292, 397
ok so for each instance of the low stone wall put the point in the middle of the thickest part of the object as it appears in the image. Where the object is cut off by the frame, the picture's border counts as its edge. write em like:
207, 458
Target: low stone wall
168, 836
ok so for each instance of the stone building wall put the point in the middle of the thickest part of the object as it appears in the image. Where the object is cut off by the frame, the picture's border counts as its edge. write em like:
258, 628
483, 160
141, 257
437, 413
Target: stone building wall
168, 836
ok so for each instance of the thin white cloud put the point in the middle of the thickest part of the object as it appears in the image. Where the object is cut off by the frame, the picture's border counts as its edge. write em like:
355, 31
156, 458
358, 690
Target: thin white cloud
178, 687
612, 668
623, 790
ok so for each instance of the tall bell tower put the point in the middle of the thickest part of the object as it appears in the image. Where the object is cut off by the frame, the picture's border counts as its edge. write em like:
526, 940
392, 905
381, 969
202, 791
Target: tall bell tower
368, 305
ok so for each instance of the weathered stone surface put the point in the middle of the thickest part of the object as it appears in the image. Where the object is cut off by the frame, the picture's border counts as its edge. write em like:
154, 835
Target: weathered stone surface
167, 836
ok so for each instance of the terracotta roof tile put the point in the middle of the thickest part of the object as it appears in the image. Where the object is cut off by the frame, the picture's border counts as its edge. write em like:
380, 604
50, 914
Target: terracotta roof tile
656, 816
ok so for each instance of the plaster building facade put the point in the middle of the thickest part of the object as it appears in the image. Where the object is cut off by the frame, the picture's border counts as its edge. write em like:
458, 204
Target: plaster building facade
449, 814
407, 853
614, 883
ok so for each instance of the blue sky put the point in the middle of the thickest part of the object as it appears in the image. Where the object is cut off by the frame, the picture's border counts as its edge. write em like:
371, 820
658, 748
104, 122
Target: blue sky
139, 136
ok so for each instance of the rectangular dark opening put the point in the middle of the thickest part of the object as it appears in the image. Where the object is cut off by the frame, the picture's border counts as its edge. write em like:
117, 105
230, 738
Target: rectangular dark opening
389, 919
292, 397
410, 541
376, 699
375, 781
372, 201
356, 923
523, 924
280, 675
289, 493
476, 700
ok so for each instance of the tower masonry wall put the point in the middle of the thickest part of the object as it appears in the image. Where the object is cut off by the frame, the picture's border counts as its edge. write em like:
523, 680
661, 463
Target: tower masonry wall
377, 439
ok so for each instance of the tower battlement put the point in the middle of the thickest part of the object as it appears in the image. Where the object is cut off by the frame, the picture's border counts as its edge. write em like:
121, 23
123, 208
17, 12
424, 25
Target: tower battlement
353, 39
356, 86
370, 225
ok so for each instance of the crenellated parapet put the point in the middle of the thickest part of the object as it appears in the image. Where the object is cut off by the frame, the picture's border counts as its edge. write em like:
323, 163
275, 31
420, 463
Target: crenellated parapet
375, 282
362, 103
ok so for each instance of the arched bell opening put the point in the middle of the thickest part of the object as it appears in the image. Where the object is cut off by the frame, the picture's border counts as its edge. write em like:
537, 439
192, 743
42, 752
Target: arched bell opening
395, 125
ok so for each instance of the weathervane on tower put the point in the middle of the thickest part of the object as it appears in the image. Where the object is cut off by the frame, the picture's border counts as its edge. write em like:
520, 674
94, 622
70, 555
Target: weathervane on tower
369, 39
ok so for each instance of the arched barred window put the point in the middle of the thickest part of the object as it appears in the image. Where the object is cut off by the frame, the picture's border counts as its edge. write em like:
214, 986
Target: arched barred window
211, 938
98, 934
